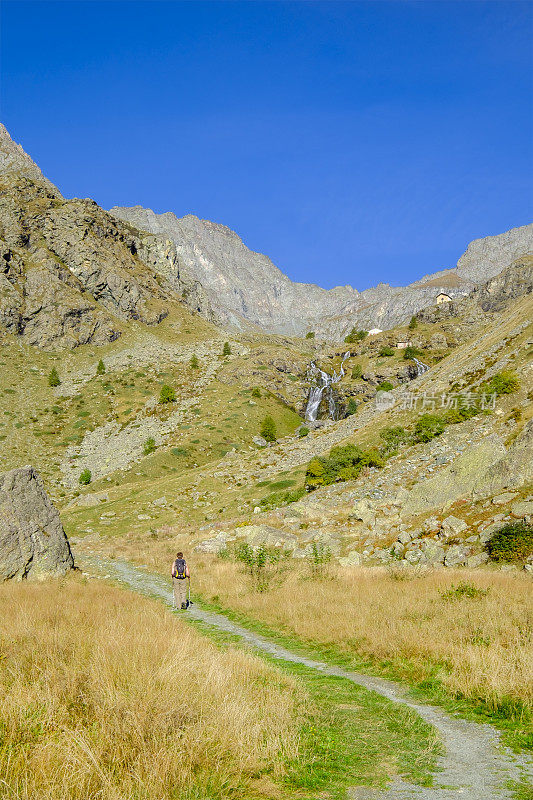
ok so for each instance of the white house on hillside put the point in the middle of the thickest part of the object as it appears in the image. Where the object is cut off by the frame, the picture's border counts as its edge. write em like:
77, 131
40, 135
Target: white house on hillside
443, 298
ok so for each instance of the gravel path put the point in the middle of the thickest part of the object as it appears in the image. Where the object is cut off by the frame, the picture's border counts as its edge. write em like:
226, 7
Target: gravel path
474, 766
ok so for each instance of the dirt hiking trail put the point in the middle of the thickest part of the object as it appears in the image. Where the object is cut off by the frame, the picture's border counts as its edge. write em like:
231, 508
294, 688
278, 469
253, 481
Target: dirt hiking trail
474, 764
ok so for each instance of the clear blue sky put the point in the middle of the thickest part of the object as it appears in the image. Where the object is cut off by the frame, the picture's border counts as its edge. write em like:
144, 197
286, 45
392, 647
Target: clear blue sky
351, 142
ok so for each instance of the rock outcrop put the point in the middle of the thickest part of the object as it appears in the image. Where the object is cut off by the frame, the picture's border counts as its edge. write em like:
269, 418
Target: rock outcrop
246, 288
33, 543
70, 273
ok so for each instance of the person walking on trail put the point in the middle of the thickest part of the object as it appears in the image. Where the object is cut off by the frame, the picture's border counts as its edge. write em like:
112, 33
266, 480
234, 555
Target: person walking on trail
180, 577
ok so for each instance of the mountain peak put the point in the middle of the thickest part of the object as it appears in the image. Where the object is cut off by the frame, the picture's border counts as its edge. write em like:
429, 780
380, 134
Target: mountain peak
14, 159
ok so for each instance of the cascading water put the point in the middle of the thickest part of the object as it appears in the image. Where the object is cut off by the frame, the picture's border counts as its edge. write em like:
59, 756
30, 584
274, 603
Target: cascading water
420, 367
325, 382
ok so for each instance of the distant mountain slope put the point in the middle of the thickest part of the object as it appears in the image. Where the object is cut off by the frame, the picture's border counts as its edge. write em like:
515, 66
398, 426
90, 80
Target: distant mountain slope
246, 287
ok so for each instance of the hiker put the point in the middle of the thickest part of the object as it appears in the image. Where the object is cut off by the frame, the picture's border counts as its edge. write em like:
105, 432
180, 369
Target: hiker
180, 576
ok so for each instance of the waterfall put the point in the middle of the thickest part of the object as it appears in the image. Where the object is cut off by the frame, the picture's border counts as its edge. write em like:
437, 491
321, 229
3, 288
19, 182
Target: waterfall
420, 367
315, 392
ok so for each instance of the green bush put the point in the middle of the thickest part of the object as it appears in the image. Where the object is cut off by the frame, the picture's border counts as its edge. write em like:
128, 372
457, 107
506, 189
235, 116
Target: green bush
310, 335
167, 394
411, 352
345, 462
355, 336
386, 351
194, 363
85, 477
351, 407
413, 324
100, 368
427, 427
149, 446
505, 382
268, 429
357, 372
256, 392
226, 350
512, 543
385, 386
393, 437
53, 378
303, 431
464, 590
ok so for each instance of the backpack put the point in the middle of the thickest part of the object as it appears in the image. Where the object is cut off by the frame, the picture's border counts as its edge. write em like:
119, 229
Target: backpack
180, 565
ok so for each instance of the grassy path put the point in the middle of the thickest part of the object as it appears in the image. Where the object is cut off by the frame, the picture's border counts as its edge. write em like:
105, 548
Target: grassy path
473, 764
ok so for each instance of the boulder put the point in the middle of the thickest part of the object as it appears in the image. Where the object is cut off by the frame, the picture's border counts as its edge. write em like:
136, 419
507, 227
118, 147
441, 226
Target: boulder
352, 559
459, 479
257, 535
33, 543
505, 497
451, 526
456, 555
521, 509
514, 469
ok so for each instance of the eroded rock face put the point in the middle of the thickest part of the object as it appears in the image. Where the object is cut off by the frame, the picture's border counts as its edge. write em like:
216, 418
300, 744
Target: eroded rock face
70, 273
33, 543
246, 287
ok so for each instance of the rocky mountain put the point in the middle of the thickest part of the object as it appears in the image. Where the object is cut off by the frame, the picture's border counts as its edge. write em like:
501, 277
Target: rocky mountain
70, 273
246, 288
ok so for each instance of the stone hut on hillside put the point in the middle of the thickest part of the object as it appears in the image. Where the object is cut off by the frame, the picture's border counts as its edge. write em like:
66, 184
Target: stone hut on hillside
443, 298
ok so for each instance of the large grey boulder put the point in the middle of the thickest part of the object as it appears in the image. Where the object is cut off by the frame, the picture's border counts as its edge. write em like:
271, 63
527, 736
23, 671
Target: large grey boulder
33, 543
460, 479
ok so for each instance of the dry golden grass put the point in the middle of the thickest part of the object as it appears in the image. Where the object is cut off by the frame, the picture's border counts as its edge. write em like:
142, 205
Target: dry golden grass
482, 647
105, 695
484, 643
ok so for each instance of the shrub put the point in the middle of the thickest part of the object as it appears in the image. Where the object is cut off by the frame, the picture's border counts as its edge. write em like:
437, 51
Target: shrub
513, 542
355, 336
226, 350
149, 446
386, 351
393, 437
505, 382
385, 386
268, 429
427, 427
167, 394
413, 324
357, 372
464, 590
85, 477
303, 431
194, 363
352, 407
310, 335
100, 368
319, 560
256, 392
53, 378
411, 352
345, 462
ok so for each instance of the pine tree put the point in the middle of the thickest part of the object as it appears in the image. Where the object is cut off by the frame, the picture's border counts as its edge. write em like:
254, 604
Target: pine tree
53, 378
194, 363
268, 429
100, 369
226, 350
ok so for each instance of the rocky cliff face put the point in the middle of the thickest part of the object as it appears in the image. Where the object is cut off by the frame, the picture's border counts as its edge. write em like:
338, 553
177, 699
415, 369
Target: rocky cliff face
245, 287
32, 540
70, 273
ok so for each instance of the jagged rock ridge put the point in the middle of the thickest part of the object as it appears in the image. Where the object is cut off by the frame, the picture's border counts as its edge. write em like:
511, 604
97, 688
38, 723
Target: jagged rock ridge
246, 287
